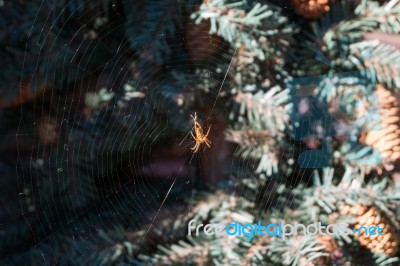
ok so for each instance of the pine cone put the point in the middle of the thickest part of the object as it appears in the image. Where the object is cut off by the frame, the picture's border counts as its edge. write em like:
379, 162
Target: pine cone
312, 9
386, 139
370, 216
330, 248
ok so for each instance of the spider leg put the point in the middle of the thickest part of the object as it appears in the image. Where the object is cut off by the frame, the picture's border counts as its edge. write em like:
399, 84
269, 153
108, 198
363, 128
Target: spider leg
195, 145
192, 134
208, 131
195, 117
195, 148
208, 143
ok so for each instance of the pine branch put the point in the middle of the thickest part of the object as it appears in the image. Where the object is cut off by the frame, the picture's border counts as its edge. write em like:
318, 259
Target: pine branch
230, 20
296, 251
325, 197
258, 145
264, 110
259, 33
383, 59
220, 208
371, 17
325, 46
262, 119
183, 253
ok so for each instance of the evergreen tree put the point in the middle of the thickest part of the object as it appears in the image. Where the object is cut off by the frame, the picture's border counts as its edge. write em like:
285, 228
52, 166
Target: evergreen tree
294, 108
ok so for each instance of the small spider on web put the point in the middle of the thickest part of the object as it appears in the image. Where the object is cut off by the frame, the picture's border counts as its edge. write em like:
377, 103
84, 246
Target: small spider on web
199, 136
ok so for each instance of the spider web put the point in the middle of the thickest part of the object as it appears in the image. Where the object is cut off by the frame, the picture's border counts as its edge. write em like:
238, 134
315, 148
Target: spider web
74, 179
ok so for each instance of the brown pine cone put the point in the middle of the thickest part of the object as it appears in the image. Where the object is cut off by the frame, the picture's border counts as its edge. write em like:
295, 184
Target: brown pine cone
312, 9
386, 139
369, 216
330, 248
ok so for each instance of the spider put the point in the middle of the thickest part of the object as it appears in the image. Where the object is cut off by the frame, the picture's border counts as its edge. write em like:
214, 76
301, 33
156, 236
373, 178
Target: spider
200, 138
